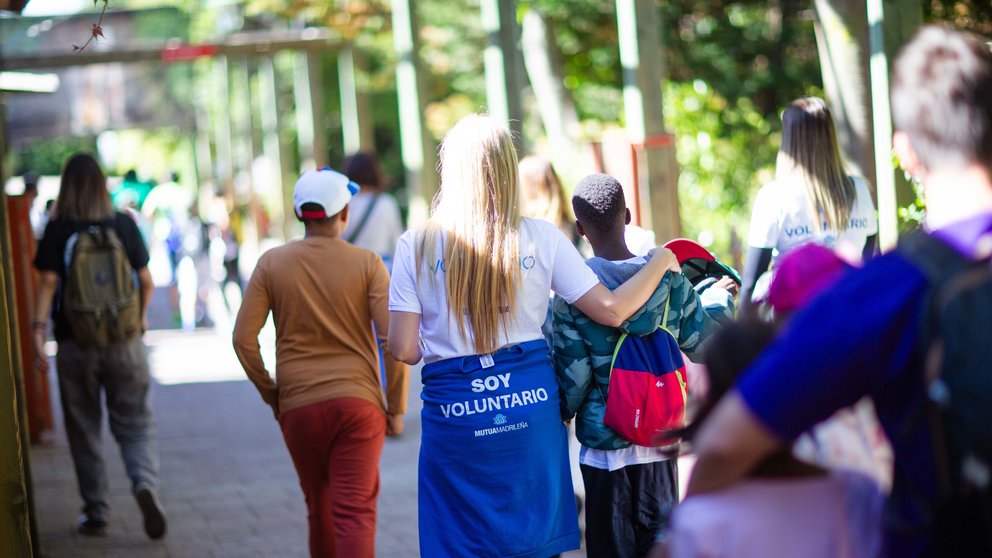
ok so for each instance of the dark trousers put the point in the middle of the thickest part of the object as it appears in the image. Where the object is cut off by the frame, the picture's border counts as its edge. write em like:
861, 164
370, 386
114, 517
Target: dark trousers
625, 508
119, 375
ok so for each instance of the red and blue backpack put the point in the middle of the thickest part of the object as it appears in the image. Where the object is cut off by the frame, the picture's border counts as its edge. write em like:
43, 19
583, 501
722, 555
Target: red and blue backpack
647, 389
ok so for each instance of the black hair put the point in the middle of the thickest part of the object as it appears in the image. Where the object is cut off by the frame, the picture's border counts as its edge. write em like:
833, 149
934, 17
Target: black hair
598, 203
363, 168
310, 206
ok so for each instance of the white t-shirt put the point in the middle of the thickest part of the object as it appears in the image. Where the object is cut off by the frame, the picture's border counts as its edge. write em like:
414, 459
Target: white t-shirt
782, 219
384, 225
612, 460
548, 261
839, 515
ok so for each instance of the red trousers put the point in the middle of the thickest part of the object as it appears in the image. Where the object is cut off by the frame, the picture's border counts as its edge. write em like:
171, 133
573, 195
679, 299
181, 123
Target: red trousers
335, 446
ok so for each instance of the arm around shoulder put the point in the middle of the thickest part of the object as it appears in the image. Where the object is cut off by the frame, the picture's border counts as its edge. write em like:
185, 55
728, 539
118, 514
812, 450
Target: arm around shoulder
612, 308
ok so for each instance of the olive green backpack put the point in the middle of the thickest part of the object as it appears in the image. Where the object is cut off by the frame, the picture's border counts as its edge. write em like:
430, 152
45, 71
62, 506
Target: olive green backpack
99, 298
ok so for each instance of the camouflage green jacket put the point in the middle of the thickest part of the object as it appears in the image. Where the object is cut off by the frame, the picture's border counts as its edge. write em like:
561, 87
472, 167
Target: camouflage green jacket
583, 349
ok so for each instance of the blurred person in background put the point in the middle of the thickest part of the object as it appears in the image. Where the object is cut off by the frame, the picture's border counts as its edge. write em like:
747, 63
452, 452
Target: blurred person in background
375, 217
784, 507
542, 196
812, 199
115, 368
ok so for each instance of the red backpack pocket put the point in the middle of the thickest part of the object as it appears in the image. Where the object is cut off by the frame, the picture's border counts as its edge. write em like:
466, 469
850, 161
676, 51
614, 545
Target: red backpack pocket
647, 390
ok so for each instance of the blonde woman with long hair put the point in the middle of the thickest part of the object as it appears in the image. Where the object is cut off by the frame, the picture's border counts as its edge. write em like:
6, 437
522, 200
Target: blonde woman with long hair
813, 199
469, 293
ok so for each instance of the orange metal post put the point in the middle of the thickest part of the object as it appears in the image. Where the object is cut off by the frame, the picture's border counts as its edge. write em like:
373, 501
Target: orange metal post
36, 388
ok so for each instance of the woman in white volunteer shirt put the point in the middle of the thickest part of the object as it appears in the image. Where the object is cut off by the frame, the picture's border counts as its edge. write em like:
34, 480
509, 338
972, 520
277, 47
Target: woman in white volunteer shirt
469, 293
812, 198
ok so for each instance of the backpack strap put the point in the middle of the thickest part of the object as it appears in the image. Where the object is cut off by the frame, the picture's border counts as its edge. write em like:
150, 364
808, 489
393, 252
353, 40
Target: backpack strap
935, 258
365, 218
938, 263
948, 273
623, 336
664, 316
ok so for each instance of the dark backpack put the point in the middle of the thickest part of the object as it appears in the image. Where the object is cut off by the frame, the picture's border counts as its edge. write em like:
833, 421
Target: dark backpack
99, 298
956, 348
647, 389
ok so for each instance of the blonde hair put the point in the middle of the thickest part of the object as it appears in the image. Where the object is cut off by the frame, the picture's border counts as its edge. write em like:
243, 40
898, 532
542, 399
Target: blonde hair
811, 156
476, 219
83, 194
541, 194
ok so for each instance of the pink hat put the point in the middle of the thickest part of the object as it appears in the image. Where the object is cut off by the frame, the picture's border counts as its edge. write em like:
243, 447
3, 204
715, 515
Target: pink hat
802, 274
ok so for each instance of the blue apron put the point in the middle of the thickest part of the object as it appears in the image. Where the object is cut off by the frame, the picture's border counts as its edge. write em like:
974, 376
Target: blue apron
494, 476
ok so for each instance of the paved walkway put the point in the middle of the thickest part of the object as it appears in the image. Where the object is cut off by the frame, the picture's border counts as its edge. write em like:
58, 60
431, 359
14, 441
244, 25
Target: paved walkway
228, 484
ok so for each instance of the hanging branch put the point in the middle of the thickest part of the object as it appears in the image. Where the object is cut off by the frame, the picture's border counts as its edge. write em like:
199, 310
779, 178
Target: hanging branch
97, 31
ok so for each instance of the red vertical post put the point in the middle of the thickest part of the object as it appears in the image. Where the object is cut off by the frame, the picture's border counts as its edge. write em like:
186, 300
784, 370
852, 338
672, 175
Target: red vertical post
36, 389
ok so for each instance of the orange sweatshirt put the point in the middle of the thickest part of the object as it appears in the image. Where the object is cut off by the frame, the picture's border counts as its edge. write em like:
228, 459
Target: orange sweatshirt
324, 295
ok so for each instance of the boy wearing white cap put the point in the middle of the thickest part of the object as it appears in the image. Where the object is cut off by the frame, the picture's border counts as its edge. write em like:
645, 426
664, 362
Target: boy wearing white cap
324, 295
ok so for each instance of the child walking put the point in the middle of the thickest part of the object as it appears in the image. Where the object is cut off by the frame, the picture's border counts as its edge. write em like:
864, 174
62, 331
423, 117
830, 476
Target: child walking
324, 295
630, 489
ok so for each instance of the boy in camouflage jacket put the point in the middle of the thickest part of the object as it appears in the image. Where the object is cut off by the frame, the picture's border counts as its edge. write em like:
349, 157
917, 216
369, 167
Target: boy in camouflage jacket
630, 489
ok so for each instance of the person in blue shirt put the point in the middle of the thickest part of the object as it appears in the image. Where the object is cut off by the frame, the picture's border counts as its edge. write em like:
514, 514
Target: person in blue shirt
862, 336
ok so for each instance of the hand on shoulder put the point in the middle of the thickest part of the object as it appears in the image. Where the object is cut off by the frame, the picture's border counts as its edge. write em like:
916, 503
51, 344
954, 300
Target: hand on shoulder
667, 258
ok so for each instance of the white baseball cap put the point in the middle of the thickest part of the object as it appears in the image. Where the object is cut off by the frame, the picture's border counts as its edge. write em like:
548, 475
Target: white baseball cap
325, 187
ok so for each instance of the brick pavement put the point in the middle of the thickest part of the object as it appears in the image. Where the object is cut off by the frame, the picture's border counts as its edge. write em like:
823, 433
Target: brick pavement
228, 484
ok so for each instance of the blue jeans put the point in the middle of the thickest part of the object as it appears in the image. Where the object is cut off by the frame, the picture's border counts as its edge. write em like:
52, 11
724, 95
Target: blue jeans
121, 373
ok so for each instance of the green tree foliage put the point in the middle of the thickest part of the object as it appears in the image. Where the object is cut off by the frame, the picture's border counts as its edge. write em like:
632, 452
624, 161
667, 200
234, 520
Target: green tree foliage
726, 148
971, 15
763, 51
585, 31
47, 156
731, 67
165, 88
